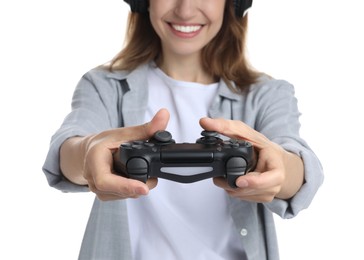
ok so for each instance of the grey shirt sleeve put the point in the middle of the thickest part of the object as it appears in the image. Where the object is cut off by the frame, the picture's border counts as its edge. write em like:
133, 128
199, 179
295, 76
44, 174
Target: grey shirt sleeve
93, 110
277, 117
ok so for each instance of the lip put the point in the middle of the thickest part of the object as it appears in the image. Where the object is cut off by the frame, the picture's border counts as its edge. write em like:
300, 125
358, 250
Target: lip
185, 30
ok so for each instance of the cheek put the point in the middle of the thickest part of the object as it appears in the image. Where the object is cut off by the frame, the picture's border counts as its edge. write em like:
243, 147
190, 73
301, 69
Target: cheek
158, 10
155, 21
215, 8
216, 25
216, 15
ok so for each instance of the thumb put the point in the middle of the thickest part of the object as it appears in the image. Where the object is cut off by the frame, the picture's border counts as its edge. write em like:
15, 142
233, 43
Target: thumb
235, 129
158, 122
140, 132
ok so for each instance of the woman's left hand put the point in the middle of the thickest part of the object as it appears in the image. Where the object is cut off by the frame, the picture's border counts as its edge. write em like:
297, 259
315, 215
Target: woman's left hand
278, 173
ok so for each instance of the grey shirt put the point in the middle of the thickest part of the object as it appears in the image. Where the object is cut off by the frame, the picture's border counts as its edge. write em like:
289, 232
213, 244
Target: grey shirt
104, 100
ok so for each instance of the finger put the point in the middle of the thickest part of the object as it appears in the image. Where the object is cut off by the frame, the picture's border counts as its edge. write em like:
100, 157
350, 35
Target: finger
221, 182
152, 183
100, 173
270, 180
107, 196
140, 132
234, 129
130, 189
247, 193
111, 183
252, 196
158, 122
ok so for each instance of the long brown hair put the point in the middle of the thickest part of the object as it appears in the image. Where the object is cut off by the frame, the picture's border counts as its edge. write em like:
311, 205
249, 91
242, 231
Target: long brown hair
224, 57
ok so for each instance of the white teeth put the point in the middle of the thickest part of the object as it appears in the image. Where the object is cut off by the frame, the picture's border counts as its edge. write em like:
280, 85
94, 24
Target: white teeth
186, 29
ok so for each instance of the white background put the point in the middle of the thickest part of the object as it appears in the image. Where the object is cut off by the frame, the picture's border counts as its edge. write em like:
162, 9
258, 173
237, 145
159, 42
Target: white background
45, 48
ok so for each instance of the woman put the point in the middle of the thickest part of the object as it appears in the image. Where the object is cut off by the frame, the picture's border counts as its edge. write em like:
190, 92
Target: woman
183, 69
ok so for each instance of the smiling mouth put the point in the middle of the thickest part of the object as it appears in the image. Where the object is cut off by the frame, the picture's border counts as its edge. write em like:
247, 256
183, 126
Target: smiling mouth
186, 28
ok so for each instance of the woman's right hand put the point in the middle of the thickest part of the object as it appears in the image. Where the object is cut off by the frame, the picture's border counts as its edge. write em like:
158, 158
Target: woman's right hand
89, 160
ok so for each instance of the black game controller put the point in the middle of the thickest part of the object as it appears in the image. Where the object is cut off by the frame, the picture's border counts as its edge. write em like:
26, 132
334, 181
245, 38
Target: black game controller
162, 157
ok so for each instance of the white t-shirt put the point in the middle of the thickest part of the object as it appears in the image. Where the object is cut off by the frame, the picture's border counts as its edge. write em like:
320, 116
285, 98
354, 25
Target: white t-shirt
182, 221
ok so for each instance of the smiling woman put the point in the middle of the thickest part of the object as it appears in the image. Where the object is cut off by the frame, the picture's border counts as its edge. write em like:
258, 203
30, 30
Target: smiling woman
184, 69
225, 50
184, 29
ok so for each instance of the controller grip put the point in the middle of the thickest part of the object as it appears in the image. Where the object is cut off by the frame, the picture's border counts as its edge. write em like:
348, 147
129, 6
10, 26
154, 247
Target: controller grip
235, 167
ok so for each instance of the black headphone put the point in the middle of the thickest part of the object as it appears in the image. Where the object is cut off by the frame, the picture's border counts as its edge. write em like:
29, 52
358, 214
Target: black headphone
141, 6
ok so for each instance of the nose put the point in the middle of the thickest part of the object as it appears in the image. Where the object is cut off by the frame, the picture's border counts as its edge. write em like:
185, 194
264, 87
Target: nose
186, 9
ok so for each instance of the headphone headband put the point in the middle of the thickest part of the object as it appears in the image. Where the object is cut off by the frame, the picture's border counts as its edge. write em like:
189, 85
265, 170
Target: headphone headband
141, 6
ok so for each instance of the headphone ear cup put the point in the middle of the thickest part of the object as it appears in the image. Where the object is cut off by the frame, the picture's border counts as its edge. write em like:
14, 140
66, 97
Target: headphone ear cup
138, 6
241, 6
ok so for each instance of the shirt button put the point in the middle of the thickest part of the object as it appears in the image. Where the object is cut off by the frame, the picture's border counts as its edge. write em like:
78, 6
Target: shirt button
243, 232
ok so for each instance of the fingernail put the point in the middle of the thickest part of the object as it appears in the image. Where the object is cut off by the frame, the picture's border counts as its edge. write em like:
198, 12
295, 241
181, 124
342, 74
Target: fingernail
242, 184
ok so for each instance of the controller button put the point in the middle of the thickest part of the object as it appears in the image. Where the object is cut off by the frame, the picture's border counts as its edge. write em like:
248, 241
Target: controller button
245, 143
235, 145
150, 145
126, 145
226, 144
138, 142
137, 146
